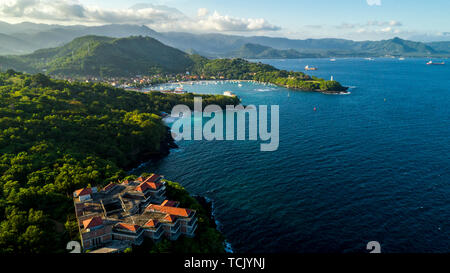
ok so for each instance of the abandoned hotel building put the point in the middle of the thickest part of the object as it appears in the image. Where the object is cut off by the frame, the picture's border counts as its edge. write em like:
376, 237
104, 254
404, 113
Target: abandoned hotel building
121, 215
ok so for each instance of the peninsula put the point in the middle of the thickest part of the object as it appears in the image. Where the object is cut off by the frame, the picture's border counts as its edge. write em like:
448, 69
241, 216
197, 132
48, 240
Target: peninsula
104, 59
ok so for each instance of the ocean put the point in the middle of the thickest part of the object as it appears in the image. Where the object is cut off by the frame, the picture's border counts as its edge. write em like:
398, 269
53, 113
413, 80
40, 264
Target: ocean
373, 165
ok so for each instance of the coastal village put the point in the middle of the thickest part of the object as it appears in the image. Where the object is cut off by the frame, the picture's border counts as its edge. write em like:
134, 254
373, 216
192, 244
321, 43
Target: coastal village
139, 81
120, 215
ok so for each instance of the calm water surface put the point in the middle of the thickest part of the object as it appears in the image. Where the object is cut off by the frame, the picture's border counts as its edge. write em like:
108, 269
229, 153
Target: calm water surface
372, 165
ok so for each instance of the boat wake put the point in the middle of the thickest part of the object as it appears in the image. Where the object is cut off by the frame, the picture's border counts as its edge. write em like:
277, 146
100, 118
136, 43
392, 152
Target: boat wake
264, 89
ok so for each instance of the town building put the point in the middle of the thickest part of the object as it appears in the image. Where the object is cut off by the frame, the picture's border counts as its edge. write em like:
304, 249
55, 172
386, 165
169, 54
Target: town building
123, 214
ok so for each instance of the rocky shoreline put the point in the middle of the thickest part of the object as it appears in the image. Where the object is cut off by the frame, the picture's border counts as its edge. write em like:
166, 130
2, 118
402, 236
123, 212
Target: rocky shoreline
208, 204
165, 146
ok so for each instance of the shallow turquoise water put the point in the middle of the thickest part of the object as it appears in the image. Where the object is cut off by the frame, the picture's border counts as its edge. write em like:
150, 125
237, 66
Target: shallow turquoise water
372, 165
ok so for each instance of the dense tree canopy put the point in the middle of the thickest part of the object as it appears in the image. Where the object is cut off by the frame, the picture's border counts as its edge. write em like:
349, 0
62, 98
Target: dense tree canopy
57, 136
244, 70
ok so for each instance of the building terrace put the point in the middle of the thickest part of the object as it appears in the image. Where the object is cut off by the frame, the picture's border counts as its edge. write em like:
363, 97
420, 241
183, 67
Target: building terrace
128, 212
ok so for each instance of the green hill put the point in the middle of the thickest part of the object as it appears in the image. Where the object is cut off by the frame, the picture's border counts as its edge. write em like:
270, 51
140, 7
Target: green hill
97, 56
256, 51
104, 56
396, 46
440, 46
26, 37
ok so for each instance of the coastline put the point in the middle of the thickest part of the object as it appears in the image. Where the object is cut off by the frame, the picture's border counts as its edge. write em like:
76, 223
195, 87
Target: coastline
143, 157
208, 204
203, 201
326, 92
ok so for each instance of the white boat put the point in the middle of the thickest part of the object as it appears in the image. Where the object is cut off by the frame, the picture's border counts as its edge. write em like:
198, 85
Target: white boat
229, 94
433, 63
332, 60
310, 68
401, 59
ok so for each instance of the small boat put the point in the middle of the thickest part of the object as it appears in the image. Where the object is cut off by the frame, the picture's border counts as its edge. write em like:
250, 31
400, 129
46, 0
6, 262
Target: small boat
332, 60
229, 94
369, 59
310, 68
433, 63
401, 59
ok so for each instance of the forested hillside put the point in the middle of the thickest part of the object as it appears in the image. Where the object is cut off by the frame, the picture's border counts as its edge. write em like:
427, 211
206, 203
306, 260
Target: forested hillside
56, 137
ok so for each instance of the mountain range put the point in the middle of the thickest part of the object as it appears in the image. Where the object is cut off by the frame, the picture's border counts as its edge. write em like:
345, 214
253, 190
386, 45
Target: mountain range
25, 38
104, 56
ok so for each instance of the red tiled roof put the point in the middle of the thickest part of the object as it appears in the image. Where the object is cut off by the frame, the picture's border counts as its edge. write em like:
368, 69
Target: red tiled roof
168, 203
148, 185
84, 191
140, 179
152, 178
129, 227
151, 223
92, 222
169, 210
170, 218
109, 186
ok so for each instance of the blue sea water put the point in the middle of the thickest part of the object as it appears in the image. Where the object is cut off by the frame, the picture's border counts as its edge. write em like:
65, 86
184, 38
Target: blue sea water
370, 166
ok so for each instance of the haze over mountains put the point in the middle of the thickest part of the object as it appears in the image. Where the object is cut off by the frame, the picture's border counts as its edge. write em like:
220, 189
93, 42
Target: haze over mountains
25, 38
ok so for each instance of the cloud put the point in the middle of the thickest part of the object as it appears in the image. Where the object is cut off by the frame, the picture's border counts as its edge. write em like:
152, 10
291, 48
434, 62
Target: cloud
314, 26
391, 23
202, 12
220, 22
159, 17
59, 10
374, 2
347, 26
372, 27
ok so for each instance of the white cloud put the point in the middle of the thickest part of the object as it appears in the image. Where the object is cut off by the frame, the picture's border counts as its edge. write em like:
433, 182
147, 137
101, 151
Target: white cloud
371, 25
202, 12
391, 23
220, 22
374, 2
155, 16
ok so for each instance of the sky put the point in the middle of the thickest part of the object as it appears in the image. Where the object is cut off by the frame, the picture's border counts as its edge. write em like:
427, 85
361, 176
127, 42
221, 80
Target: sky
299, 19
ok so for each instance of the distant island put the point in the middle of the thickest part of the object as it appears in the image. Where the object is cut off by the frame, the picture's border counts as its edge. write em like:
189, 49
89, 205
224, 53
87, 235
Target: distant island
105, 58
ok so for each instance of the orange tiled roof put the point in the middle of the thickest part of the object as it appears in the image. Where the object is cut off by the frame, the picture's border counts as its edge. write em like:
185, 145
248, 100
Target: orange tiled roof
109, 186
84, 191
152, 178
168, 203
148, 185
129, 227
92, 222
169, 210
170, 218
151, 223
